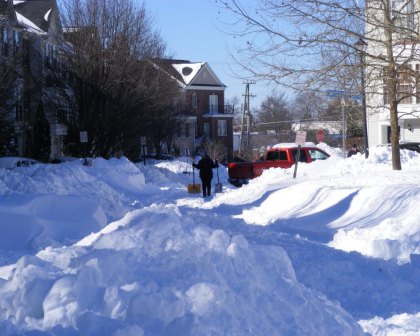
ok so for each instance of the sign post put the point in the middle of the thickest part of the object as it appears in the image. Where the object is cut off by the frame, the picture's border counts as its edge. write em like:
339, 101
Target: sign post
342, 94
300, 140
143, 148
84, 140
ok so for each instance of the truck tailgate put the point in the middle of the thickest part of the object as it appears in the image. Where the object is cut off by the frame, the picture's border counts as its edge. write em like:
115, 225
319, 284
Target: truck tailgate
241, 170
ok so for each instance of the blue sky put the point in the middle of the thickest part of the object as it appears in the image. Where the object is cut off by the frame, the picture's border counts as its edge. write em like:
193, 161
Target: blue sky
193, 31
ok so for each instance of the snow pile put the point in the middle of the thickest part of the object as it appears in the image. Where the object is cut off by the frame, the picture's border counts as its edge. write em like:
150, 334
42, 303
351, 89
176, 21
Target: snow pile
163, 274
123, 249
49, 205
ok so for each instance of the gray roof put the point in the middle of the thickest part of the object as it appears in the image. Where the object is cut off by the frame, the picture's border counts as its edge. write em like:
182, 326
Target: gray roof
35, 11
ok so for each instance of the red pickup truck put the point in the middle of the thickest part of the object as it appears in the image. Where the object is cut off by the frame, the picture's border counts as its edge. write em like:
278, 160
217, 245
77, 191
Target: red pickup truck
279, 156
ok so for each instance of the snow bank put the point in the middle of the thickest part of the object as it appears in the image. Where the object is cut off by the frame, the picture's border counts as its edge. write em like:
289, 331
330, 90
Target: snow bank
162, 274
123, 249
47, 205
398, 325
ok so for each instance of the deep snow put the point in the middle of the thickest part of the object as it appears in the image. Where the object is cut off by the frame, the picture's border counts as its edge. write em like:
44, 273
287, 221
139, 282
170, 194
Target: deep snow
122, 249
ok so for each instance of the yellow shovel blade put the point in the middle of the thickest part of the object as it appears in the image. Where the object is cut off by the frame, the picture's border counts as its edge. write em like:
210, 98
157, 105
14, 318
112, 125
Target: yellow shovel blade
194, 188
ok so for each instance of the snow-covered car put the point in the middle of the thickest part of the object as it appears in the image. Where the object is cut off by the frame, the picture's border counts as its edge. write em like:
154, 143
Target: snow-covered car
11, 162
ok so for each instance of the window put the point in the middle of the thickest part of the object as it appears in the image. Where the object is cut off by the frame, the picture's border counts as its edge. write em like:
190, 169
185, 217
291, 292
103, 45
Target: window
276, 155
183, 130
213, 103
221, 127
18, 104
16, 41
194, 100
5, 41
302, 157
417, 83
403, 13
317, 155
405, 89
207, 130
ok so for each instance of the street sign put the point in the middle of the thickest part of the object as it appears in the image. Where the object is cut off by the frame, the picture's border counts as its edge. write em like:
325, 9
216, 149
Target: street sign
83, 136
300, 138
142, 141
342, 93
320, 135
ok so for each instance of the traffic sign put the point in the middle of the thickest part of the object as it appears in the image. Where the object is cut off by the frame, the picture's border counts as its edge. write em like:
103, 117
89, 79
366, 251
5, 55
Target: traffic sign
300, 138
320, 135
83, 136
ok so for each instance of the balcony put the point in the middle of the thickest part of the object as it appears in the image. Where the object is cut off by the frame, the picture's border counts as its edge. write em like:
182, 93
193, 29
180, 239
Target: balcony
214, 109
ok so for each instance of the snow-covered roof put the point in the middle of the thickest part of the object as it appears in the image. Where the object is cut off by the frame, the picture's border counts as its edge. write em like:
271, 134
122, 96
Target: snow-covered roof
292, 145
36, 15
32, 27
47, 15
189, 73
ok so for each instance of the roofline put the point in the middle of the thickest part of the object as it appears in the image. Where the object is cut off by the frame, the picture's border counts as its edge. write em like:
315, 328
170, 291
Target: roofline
204, 87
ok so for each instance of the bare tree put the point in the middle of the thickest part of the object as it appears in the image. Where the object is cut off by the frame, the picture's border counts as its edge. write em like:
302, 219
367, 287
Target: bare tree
8, 78
216, 150
309, 105
274, 115
114, 88
312, 45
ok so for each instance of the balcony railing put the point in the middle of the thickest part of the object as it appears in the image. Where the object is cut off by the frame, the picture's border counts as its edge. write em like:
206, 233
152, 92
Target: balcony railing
229, 109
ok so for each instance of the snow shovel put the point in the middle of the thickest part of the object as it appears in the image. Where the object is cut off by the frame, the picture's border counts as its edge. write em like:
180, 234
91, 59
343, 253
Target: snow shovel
194, 188
187, 153
218, 186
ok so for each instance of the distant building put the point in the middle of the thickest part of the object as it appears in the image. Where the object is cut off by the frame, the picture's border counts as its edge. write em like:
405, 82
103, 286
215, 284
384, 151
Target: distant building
205, 116
32, 39
406, 50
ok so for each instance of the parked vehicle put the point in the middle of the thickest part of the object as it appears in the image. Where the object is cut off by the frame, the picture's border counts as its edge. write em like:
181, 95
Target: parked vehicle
11, 162
279, 156
165, 157
412, 146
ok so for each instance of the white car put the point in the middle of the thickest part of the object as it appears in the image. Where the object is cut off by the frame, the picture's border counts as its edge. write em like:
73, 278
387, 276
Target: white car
11, 162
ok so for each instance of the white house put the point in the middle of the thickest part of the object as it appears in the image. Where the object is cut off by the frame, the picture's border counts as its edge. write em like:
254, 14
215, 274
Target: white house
406, 52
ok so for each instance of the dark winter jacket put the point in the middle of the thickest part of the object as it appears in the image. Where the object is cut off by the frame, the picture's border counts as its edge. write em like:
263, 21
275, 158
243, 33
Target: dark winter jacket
206, 165
352, 152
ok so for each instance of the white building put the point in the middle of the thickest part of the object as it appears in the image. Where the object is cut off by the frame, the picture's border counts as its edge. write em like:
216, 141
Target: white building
406, 52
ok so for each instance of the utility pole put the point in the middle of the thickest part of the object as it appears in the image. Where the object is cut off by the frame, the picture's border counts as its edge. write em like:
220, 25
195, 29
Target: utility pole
246, 121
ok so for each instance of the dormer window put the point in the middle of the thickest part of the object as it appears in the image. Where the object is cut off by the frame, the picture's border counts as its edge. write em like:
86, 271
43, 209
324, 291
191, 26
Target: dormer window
186, 71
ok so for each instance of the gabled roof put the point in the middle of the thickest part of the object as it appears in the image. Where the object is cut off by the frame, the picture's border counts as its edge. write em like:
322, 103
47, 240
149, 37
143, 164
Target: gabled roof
190, 73
35, 14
